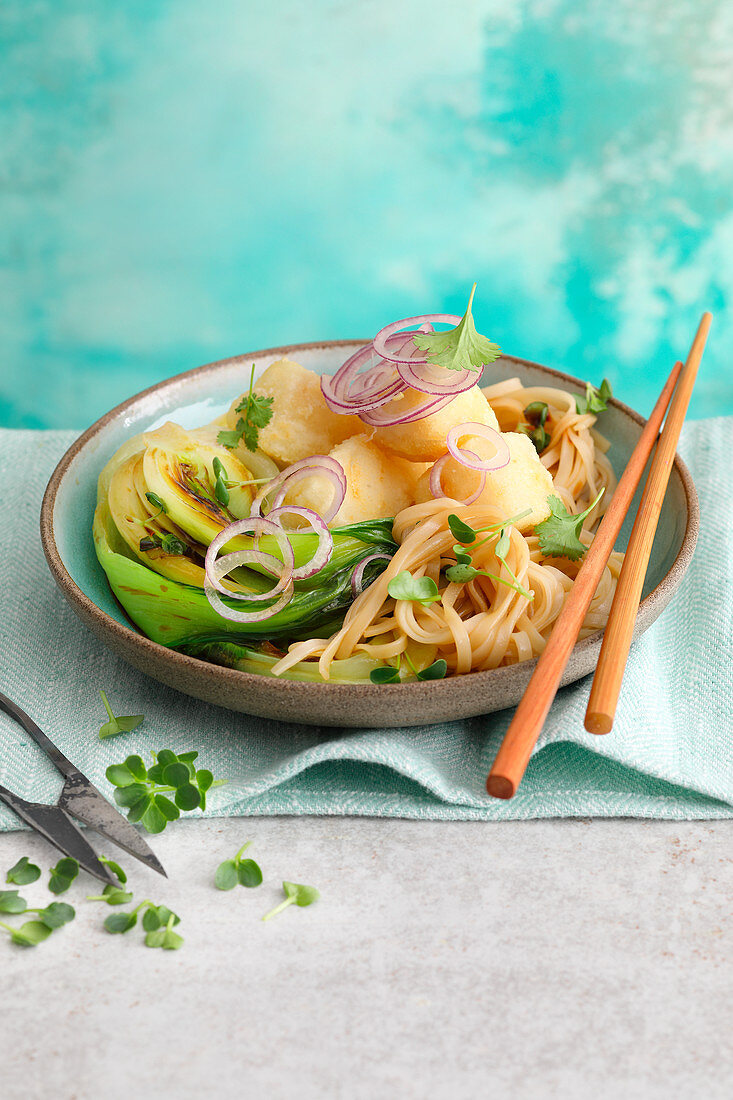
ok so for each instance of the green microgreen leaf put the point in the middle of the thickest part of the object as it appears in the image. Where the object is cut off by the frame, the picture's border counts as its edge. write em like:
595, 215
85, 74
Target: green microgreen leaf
595, 400
176, 775
153, 819
56, 914
461, 531
62, 875
23, 872
118, 923
249, 873
171, 544
11, 902
536, 413
436, 671
131, 795
168, 809
558, 534
165, 937
29, 934
226, 877
385, 674
157, 503
461, 348
188, 797
256, 413
462, 573
204, 779
462, 555
117, 725
404, 586
114, 868
540, 438
295, 894
112, 895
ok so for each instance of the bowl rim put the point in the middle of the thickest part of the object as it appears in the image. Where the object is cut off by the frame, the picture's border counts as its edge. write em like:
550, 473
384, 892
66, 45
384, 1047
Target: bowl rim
88, 610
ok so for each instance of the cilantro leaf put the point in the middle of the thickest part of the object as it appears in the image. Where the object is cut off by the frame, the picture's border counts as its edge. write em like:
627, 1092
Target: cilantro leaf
558, 534
461, 348
256, 413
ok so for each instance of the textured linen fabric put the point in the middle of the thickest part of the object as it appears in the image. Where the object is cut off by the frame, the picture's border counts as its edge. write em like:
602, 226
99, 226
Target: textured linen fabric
670, 754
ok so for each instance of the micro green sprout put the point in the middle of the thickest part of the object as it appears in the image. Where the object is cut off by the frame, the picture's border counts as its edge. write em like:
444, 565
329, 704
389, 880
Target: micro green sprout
117, 725
143, 791
23, 873
244, 872
295, 894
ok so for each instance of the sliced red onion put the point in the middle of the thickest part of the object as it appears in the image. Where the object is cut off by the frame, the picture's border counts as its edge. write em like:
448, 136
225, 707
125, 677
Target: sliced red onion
325, 539
436, 474
468, 458
382, 418
315, 466
427, 378
348, 391
247, 616
358, 575
382, 346
217, 568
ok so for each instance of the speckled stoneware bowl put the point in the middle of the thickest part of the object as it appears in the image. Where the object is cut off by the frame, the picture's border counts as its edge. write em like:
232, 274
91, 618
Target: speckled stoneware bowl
198, 396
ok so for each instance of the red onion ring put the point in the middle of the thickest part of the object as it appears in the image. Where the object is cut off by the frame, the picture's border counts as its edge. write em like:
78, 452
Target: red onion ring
216, 569
358, 575
315, 466
247, 616
325, 539
381, 417
499, 460
435, 484
380, 341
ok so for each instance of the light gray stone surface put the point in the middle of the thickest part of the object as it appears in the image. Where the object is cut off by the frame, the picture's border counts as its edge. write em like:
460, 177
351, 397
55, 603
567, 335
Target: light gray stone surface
567, 959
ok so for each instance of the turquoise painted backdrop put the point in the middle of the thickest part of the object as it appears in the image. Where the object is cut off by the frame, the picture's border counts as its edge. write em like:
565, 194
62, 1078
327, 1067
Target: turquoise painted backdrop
183, 181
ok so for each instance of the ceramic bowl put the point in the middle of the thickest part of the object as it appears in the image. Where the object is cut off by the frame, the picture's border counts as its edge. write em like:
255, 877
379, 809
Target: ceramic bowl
198, 396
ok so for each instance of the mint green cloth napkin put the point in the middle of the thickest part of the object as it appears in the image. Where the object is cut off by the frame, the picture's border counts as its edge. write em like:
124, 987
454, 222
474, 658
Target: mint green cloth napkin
670, 754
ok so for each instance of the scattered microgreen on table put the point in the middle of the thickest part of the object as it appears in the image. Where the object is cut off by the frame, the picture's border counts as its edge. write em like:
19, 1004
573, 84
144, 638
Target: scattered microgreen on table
245, 872
461, 348
256, 413
295, 894
117, 725
62, 875
23, 873
143, 791
114, 868
113, 895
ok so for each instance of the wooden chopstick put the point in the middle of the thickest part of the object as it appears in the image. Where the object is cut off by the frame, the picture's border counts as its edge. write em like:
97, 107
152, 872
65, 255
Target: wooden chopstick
524, 729
620, 627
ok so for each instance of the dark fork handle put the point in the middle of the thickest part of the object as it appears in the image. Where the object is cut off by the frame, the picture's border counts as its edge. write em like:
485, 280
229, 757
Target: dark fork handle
55, 755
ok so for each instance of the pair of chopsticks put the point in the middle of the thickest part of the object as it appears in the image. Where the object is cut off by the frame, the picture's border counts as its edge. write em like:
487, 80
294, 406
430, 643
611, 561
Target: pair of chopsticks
526, 725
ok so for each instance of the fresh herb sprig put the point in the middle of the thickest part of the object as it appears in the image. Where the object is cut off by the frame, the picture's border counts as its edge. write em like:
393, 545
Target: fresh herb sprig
464, 570
256, 414
295, 894
595, 400
118, 725
244, 872
558, 534
23, 872
461, 348
143, 791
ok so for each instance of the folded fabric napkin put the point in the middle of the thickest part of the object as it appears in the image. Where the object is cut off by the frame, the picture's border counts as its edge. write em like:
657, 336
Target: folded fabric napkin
670, 754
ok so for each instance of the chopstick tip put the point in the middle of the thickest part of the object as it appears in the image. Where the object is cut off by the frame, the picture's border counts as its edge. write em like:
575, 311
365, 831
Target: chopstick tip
499, 786
597, 722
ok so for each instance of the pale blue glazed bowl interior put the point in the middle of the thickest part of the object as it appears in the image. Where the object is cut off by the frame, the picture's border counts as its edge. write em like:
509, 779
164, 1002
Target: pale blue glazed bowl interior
192, 400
